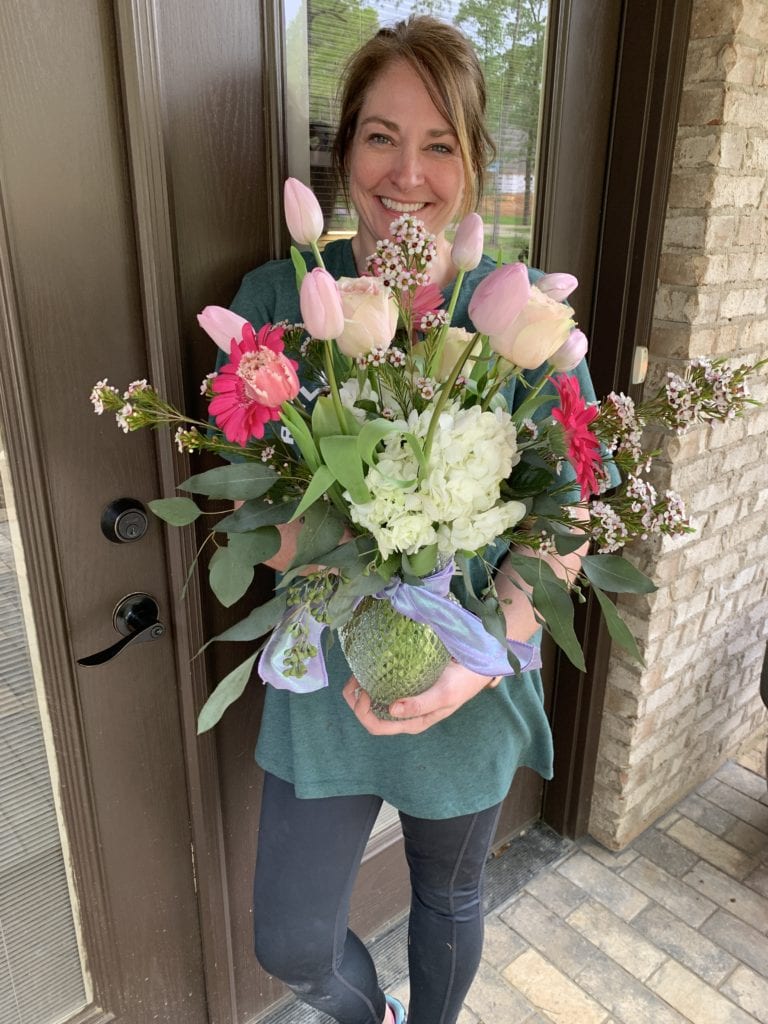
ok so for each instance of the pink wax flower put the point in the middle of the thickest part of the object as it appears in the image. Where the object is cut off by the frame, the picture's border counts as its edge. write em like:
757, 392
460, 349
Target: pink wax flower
499, 298
302, 212
426, 298
538, 331
583, 446
320, 303
370, 315
557, 286
467, 249
221, 325
570, 353
249, 389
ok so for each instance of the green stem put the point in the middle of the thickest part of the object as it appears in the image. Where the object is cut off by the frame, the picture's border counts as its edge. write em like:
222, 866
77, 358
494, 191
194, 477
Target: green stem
445, 395
335, 397
316, 254
521, 410
437, 355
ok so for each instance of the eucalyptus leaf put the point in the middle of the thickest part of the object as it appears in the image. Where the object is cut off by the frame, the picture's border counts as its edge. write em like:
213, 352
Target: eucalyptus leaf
567, 543
546, 505
238, 482
616, 574
342, 458
617, 628
348, 593
531, 569
354, 555
255, 547
175, 511
527, 480
321, 533
256, 513
471, 600
228, 690
256, 624
228, 577
554, 604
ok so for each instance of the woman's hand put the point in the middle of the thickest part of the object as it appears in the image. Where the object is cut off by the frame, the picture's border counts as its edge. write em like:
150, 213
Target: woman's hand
455, 687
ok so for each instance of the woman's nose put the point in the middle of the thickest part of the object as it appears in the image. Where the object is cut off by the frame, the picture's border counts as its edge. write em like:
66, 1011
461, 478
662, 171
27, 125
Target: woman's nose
408, 171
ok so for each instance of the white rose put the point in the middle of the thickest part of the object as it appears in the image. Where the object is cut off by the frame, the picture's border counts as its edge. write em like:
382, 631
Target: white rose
370, 315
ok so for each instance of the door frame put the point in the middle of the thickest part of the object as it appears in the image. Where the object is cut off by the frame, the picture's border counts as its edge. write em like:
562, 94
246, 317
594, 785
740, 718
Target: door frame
639, 100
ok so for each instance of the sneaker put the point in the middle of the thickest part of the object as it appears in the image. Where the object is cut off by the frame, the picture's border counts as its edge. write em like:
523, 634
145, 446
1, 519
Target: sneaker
397, 1008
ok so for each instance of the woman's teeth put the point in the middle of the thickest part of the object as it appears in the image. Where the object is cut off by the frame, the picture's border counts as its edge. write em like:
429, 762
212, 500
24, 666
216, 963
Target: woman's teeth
390, 204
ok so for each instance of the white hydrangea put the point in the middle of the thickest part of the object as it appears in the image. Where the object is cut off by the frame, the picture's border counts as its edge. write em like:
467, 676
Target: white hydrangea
457, 502
349, 392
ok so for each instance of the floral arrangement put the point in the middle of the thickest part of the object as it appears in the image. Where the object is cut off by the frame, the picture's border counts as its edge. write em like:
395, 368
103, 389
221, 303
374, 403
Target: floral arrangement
396, 448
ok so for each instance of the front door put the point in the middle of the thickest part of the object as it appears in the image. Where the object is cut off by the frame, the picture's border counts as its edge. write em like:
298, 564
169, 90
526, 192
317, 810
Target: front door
98, 906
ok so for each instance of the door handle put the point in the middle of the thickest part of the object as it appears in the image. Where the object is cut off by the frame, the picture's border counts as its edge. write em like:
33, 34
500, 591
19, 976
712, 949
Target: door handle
136, 618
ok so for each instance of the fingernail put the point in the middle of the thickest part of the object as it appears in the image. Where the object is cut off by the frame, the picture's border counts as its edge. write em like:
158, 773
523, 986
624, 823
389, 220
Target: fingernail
398, 709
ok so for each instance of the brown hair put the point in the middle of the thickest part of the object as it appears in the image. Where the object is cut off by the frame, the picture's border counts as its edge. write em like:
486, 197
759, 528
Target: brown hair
444, 60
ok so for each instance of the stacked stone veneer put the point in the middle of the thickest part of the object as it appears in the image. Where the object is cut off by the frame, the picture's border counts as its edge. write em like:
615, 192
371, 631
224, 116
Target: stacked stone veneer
703, 633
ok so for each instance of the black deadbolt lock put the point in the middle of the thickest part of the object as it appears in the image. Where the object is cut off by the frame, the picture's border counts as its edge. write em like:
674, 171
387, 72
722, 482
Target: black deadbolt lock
124, 521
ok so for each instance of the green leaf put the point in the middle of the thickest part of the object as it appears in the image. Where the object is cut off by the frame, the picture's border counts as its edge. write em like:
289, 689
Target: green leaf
238, 482
342, 458
228, 690
255, 625
532, 569
567, 543
176, 511
554, 604
471, 601
323, 479
325, 422
617, 628
355, 555
320, 534
301, 435
347, 594
422, 563
256, 546
256, 513
616, 574
371, 435
527, 480
418, 451
299, 265
229, 578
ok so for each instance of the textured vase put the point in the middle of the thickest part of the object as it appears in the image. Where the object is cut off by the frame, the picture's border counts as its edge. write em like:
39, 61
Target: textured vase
390, 655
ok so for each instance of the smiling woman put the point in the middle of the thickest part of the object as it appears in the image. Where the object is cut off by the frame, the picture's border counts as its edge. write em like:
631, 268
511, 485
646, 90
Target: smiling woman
510, 45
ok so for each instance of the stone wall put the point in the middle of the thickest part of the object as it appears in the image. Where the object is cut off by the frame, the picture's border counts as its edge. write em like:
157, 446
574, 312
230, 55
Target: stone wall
703, 633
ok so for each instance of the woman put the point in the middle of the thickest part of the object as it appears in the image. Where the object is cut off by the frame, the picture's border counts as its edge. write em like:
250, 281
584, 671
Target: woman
411, 140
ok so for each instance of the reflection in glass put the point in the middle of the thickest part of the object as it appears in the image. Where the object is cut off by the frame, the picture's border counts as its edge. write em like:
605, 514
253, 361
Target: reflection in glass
41, 977
509, 37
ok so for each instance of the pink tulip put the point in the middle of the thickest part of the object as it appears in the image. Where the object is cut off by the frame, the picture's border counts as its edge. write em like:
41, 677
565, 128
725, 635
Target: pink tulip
302, 212
499, 298
222, 325
557, 286
467, 250
569, 355
536, 333
320, 304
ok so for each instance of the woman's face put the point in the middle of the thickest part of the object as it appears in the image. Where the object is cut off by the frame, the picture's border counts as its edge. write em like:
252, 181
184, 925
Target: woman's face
404, 158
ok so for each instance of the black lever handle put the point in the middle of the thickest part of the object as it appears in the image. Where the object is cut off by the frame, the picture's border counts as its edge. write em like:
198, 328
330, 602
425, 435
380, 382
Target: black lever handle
136, 617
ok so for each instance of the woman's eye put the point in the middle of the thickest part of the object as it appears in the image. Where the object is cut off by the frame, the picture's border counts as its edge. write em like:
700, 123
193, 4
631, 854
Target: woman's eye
379, 139
440, 147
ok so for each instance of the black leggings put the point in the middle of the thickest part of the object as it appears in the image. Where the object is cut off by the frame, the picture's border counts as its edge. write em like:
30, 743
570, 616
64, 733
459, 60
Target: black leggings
309, 856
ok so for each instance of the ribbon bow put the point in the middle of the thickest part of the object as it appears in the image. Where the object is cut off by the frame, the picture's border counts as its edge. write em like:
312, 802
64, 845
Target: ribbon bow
462, 632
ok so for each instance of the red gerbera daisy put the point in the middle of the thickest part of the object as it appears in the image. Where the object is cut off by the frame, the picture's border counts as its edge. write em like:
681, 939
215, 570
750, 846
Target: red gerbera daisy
583, 447
251, 387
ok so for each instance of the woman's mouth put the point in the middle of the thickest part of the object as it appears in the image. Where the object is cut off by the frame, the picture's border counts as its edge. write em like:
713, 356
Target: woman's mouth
395, 207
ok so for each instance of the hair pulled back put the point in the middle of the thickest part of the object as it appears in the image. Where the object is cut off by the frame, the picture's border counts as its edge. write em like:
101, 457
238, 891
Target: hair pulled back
446, 63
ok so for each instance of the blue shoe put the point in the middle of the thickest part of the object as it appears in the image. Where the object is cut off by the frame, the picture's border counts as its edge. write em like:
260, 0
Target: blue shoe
397, 1008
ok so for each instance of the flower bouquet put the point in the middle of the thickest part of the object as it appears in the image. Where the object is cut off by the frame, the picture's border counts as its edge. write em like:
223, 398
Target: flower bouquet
389, 435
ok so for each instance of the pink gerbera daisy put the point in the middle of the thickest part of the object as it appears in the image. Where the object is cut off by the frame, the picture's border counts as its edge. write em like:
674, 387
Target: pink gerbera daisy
583, 446
249, 389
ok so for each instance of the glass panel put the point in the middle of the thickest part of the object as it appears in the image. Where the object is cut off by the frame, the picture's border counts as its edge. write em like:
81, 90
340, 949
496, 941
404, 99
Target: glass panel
509, 37
41, 975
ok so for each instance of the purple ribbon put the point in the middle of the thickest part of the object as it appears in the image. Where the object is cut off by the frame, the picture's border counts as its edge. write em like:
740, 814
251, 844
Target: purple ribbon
462, 632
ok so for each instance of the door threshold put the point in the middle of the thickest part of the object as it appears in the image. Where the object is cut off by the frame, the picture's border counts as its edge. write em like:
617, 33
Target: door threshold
508, 872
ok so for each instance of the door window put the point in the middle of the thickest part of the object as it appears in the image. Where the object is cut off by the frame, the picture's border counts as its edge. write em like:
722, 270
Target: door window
510, 39
41, 975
